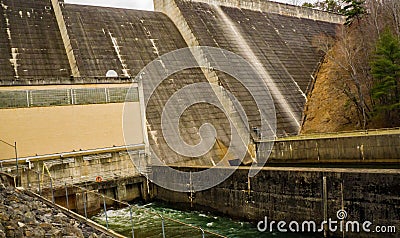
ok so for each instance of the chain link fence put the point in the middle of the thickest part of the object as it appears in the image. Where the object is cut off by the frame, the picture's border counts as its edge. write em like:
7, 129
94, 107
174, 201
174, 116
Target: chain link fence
63, 97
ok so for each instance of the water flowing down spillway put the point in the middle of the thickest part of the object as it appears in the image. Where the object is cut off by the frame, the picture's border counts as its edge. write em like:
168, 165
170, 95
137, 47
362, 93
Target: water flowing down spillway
234, 33
148, 224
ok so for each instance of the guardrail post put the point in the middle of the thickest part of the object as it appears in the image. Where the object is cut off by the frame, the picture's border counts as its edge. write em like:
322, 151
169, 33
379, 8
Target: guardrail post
71, 91
130, 212
106, 93
84, 203
162, 226
27, 99
66, 195
52, 192
16, 162
38, 181
105, 210
325, 204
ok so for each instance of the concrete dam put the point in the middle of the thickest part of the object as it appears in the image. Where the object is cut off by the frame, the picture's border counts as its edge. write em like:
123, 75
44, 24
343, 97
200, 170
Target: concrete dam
69, 73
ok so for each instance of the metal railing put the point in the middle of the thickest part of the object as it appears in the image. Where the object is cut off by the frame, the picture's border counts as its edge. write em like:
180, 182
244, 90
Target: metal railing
367, 132
14, 146
122, 148
69, 96
46, 182
339, 134
41, 80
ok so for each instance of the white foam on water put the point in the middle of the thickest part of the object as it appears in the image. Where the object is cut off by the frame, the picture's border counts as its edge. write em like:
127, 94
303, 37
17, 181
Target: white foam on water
148, 224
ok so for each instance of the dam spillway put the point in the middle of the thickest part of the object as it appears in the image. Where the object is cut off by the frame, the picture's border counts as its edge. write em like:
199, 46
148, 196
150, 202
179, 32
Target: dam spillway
51, 42
65, 114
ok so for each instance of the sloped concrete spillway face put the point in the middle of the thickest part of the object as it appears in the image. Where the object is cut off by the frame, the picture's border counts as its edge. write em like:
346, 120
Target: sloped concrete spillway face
6, 69
189, 123
127, 40
279, 47
119, 39
200, 93
234, 33
31, 43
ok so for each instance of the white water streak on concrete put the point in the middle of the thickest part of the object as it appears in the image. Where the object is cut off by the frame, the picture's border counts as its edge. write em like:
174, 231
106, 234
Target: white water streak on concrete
294, 81
153, 42
14, 60
117, 50
7, 20
14, 51
147, 31
8, 31
234, 32
155, 47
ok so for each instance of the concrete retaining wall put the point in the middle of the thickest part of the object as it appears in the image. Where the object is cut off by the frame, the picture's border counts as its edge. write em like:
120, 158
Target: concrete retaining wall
363, 148
79, 169
270, 7
297, 194
120, 180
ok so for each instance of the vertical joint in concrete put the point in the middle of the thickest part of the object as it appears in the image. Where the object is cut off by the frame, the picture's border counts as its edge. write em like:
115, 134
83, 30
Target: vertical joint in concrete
65, 37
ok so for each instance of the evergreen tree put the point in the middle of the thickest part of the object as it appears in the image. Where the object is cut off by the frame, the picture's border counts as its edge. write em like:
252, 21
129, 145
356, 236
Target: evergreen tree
385, 69
333, 5
326, 5
307, 4
353, 9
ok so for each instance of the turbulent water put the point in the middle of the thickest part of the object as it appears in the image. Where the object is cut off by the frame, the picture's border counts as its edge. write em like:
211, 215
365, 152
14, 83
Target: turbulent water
147, 223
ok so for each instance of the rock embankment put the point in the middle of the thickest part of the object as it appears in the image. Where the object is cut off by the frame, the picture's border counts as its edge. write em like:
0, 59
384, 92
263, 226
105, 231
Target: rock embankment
24, 216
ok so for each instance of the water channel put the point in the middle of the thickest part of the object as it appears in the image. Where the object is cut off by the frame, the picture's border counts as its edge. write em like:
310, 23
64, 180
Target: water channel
147, 223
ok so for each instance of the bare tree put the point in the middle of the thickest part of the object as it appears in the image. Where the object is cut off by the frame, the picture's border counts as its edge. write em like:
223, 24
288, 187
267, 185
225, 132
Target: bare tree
296, 2
393, 7
350, 74
375, 15
352, 50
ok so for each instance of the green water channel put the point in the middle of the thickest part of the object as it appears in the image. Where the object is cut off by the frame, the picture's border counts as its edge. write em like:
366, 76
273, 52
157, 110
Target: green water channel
147, 223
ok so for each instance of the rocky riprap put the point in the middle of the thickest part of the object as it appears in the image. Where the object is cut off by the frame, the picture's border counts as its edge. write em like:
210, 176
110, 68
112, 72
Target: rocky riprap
24, 216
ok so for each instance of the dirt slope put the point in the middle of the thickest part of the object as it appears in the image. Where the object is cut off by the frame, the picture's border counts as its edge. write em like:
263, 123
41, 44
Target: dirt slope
328, 108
